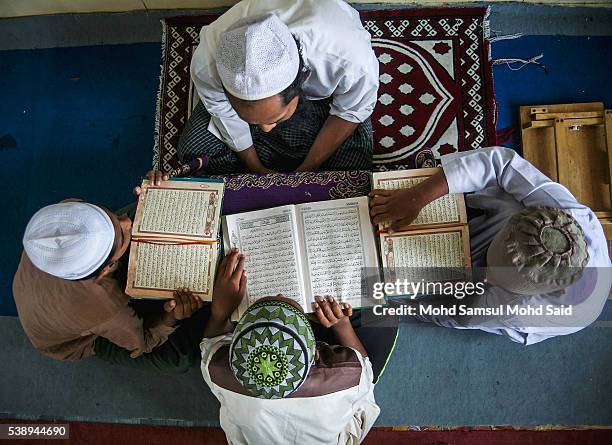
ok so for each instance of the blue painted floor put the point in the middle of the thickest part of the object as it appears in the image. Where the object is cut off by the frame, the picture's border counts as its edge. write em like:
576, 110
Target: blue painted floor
74, 122
578, 71
78, 122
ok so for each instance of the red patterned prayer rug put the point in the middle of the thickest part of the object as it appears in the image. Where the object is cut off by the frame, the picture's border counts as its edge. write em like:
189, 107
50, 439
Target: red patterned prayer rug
435, 90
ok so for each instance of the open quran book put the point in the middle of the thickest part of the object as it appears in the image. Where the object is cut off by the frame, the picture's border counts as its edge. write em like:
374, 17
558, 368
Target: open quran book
175, 238
304, 250
330, 247
436, 242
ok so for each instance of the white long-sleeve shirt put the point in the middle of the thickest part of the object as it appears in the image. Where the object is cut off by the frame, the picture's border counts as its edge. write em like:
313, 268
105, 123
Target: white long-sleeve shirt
341, 417
335, 46
501, 183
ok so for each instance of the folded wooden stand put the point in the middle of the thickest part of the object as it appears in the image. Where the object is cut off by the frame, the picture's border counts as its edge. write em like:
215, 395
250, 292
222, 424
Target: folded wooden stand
572, 144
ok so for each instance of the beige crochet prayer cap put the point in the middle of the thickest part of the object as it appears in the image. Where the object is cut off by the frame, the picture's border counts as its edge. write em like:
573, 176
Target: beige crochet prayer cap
540, 250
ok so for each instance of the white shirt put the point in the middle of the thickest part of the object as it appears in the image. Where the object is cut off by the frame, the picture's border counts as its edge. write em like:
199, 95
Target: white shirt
335, 47
503, 183
342, 417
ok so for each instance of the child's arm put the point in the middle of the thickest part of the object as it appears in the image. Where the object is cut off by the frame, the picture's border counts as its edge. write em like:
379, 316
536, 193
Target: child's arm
334, 315
230, 288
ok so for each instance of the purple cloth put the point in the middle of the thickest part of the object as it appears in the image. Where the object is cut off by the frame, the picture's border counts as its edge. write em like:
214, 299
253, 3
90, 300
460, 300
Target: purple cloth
249, 191
253, 192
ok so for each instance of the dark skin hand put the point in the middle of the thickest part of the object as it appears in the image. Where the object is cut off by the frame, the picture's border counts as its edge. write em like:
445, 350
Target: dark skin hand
229, 290
335, 315
155, 176
398, 208
252, 161
184, 305
329, 312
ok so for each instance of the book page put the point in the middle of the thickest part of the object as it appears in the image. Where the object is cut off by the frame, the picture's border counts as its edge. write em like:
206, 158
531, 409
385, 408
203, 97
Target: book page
433, 256
444, 249
167, 267
338, 242
179, 208
443, 210
268, 239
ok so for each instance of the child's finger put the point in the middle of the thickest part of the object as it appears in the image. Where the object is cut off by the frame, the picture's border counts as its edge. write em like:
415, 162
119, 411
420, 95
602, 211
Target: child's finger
327, 310
320, 316
335, 307
158, 177
379, 192
347, 309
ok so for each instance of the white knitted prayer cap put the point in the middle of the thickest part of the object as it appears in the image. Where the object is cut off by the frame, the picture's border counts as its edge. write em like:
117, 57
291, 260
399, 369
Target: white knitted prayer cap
257, 58
70, 240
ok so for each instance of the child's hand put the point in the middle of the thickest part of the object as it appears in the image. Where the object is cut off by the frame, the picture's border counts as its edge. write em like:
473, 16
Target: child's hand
182, 306
155, 176
230, 285
331, 313
397, 208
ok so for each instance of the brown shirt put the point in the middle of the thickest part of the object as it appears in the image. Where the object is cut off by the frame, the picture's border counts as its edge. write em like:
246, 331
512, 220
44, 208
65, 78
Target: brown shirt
63, 318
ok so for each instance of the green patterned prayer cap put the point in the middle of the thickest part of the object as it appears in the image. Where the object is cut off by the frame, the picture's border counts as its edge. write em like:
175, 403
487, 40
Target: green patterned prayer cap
272, 349
540, 250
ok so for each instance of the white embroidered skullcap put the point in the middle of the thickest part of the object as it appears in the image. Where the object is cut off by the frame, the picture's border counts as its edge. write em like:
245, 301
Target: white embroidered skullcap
257, 58
70, 240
